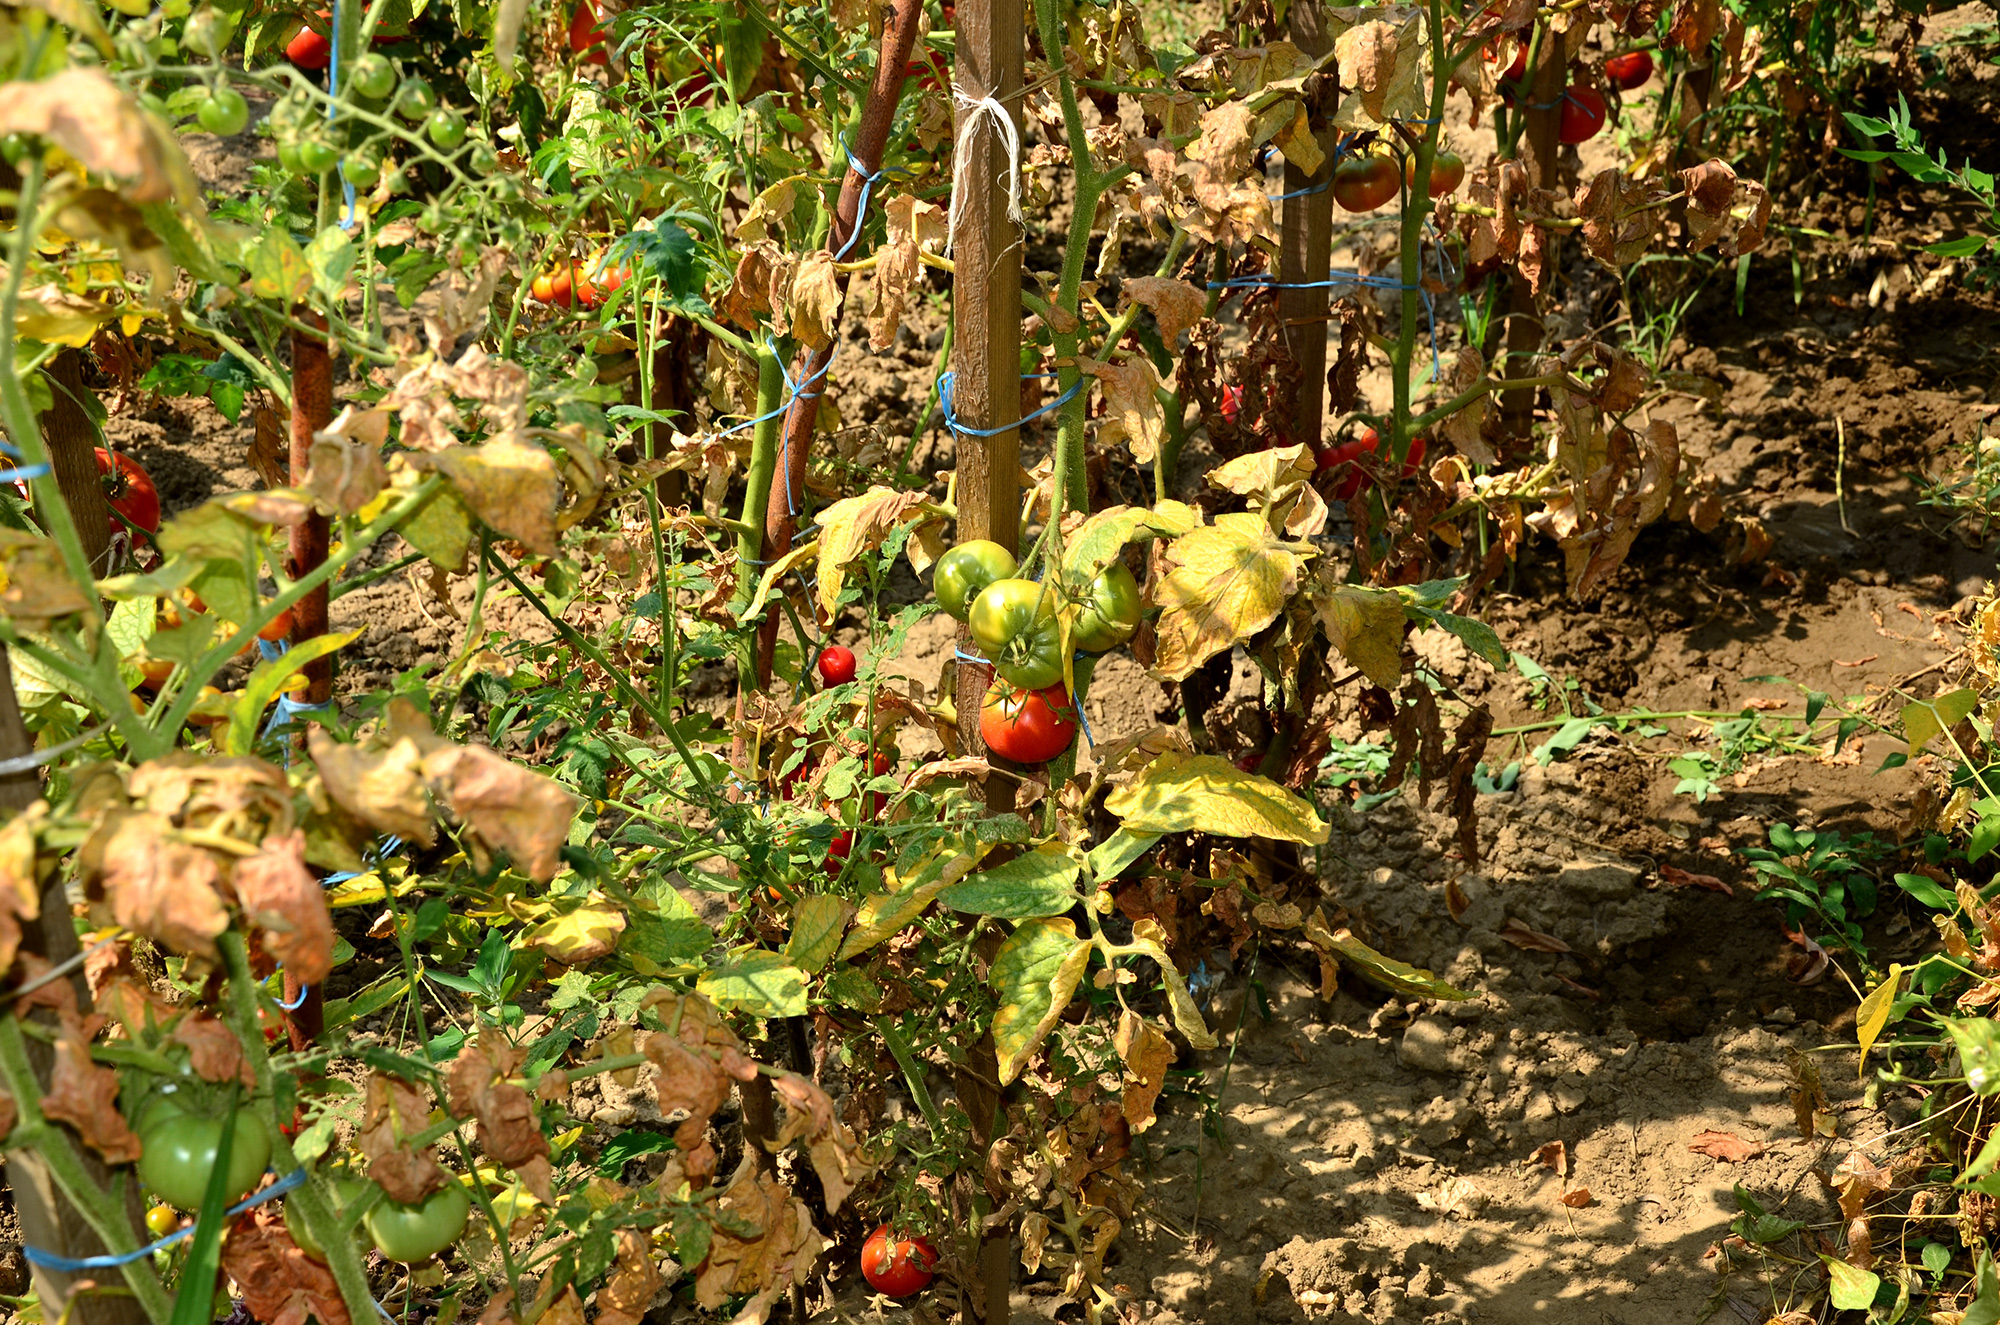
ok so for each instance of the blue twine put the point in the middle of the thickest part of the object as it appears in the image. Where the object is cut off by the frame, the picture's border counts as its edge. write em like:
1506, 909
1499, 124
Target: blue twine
272, 649
944, 386
296, 1003
333, 113
1339, 151
963, 656
869, 179
381, 851
48, 1260
25, 473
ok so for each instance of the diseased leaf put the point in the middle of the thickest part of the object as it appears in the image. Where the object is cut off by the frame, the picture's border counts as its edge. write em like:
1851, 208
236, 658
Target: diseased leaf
1132, 412
1851, 1289
817, 924
761, 984
94, 120
854, 526
1096, 542
1366, 625
883, 914
1384, 972
1178, 793
1175, 305
1229, 581
1150, 938
1147, 1054
287, 904
158, 886
1034, 973
583, 935
1041, 882
511, 484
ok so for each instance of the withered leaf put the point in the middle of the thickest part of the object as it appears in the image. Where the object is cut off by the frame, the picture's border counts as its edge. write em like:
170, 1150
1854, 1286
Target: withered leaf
280, 1284
1725, 1146
629, 1291
85, 1096
813, 300
394, 1111
510, 807
213, 1050
94, 120
287, 903
1554, 1156
344, 476
1530, 940
1147, 1054
161, 888
1576, 1198
763, 1242
508, 1129
1175, 305
20, 888
1681, 878
1132, 413
384, 789
510, 483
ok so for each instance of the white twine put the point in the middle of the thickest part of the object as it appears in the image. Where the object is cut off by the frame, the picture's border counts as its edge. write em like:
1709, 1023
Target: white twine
983, 108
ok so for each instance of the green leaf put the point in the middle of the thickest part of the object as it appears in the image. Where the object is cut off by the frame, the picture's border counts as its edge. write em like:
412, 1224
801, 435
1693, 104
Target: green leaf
817, 924
1985, 835
742, 54
279, 270
1179, 793
1034, 973
331, 256
1978, 1044
1477, 636
1925, 719
1853, 1289
1936, 1257
1928, 891
1985, 1308
1983, 1163
628, 1146
341, 1011
1873, 1016
1111, 857
441, 529
267, 679
851, 987
1041, 882
667, 936
761, 984
1765, 1229
1962, 247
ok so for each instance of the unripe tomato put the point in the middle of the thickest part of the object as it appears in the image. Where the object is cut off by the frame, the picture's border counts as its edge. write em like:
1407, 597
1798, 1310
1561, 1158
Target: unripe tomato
895, 1265
1629, 70
1027, 726
1582, 114
415, 100
446, 128
161, 1220
180, 1151
362, 168
372, 76
1364, 184
418, 1232
836, 665
317, 155
207, 32
223, 113
963, 573
310, 50
1447, 173
1014, 623
346, 1191
1110, 613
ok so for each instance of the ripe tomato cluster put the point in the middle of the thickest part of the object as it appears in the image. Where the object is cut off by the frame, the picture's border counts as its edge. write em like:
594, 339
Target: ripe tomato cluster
1363, 183
587, 283
1027, 715
1583, 111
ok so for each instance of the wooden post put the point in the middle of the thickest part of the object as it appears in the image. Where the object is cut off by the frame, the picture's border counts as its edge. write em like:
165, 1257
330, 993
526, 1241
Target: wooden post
781, 519
1306, 244
47, 1219
986, 319
1539, 146
72, 441
312, 410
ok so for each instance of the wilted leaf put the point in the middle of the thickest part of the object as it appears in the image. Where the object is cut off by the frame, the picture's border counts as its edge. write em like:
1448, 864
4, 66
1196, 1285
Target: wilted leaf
1096, 542
770, 208
1576, 1198
1382, 53
279, 1283
214, 1052
1384, 972
1034, 973
814, 300
36, 588
1530, 940
516, 809
344, 476
1178, 793
85, 1096
1680, 878
1132, 413
1554, 1156
1725, 1146
761, 984
1724, 209
763, 1242
854, 526
1175, 305
512, 485
287, 904
476, 1087
1872, 1017
160, 887
1456, 1198
883, 914
55, 315
1366, 625
394, 1111
1619, 220
1147, 1054
628, 1293
1229, 581
90, 117
20, 888
384, 789
914, 227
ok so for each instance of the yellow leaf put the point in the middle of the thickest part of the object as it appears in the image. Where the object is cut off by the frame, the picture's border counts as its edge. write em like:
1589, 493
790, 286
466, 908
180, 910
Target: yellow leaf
883, 914
814, 300
52, 314
1151, 939
1297, 142
769, 208
817, 923
1147, 1054
1872, 1017
856, 525
1178, 793
1372, 966
1367, 626
90, 117
1925, 719
1034, 973
1230, 580
585, 934
512, 485
1097, 542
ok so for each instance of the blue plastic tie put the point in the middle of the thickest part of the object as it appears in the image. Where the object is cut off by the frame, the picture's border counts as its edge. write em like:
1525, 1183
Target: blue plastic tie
944, 386
296, 1003
963, 656
48, 1260
1339, 151
25, 473
333, 113
381, 851
869, 179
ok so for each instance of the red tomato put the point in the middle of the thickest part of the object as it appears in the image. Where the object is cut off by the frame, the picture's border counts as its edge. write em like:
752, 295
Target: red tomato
131, 492
1232, 403
1629, 70
280, 627
1027, 726
587, 38
1447, 173
1248, 763
596, 279
310, 50
1355, 479
836, 665
1515, 73
553, 285
1363, 185
1582, 114
897, 1266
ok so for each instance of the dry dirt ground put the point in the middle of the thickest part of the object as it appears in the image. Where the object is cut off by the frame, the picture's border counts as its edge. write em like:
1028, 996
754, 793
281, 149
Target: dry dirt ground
1371, 1160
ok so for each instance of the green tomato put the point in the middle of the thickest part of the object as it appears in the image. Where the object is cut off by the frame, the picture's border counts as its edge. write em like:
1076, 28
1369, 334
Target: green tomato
415, 100
482, 160
372, 76
1110, 614
446, 128
418, 1232
362, 168
1014, 623
224, 113
317, 155
288, 157
180, 1151
345, 1192
207, 32
964, 572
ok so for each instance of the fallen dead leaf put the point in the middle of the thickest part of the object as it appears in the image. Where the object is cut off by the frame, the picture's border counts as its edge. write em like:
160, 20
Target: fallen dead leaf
1681, 878
1858, 662
1808, 966
1456, 903
1576, 1198
1531, 940
1554, 1157
1456, 1198
1725, 1146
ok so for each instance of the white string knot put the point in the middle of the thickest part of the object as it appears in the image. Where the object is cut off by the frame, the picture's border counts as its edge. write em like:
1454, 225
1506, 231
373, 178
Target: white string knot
976, 110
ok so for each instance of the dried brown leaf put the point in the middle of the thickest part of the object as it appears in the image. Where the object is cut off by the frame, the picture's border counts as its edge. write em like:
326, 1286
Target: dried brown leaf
1530, 940
394, 1111
213, 1050
1175, 305
287, 903
508, 1130
160, 887
1725, 1146
1554, 1156
1681, 878
626, 1295
85, 1095
1147, 1054
279, 1283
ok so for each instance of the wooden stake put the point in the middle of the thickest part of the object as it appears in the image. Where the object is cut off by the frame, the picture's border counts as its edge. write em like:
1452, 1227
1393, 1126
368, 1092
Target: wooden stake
1306, 245
72, 440
986, 320
312, 410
